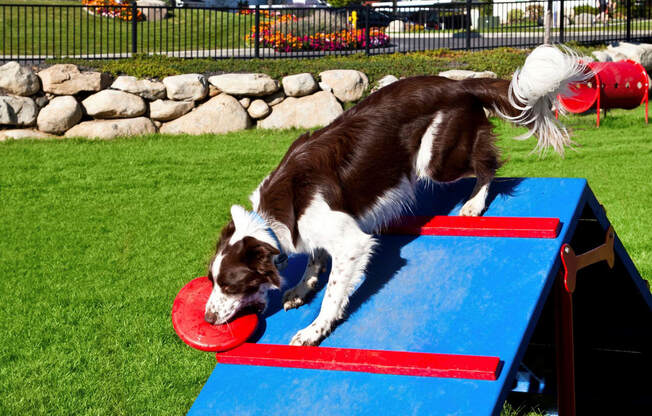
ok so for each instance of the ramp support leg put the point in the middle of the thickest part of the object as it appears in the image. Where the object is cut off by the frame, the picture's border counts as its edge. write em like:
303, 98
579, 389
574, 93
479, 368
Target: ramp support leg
565, 349
597, 112
646, 98
564, 288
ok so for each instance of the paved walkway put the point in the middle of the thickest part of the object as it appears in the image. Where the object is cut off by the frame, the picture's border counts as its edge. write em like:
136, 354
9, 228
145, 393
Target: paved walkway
401, 42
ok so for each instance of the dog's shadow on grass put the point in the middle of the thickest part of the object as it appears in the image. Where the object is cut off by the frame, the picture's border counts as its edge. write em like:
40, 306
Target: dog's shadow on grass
433, 199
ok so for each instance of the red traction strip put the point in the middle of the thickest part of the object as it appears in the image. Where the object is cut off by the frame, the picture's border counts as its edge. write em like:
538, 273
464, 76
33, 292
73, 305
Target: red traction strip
478, 226
368, 361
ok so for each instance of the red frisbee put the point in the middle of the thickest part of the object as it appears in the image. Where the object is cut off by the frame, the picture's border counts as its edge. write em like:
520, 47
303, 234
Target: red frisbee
188, 320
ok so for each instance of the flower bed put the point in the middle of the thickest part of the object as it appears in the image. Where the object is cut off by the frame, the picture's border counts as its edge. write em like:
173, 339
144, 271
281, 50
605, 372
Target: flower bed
344, 39
337, 41
116, 9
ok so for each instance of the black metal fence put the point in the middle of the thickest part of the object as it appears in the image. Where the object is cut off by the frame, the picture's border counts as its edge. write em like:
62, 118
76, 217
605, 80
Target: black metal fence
34, 32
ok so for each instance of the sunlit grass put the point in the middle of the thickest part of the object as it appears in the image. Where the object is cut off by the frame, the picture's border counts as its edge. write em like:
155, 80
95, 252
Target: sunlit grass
97, 237
60, 29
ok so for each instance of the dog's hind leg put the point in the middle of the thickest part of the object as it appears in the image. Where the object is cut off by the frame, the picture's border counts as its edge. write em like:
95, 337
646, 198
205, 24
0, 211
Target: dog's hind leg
350, 249
295, 297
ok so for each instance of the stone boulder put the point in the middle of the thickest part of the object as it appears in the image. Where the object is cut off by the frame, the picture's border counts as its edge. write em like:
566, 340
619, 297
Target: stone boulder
149, 90
314, 110
166, 110
245, 102
258, 109
601, 56
254, 85
396, 26
213, 90
383, 82
153, 10
275, 98
19, 80
59, 115
66, 79
615, 55
41, 100
114, 104
109, 129
460, 74
17, 134
641, 53
299, 85
347, 84
187, 87
584, 19
220, 114
17, 111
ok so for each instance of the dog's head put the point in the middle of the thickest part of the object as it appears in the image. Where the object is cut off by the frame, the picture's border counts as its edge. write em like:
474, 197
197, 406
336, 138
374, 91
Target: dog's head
242, 270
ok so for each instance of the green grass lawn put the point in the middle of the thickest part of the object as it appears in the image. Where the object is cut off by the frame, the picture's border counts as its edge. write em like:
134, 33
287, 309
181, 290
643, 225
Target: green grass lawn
613, 26
66, 29
97, 237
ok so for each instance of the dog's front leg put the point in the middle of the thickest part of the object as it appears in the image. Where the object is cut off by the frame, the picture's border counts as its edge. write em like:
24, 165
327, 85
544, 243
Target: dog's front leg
477, 202
295, 297
349, 262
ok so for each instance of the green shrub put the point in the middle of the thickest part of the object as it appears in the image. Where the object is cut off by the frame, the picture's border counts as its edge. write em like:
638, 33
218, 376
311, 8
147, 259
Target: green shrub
344, 3
515, 16
585, 48
487, 9
585, 9
502, 61
641, 9
534, 12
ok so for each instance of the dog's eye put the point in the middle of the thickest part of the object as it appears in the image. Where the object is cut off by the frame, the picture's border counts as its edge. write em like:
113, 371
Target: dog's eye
240, 288
231, 289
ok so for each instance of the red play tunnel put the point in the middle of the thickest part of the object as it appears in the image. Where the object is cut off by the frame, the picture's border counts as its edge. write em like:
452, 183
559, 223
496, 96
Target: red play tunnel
622, 84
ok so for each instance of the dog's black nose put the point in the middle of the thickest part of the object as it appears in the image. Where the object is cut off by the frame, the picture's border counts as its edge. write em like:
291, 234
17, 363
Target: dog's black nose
210, 317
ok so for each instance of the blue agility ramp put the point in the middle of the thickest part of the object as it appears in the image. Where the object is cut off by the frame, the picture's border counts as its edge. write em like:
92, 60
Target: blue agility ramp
503, 297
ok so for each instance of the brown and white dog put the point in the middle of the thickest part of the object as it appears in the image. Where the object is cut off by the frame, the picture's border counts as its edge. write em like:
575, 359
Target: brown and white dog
335, 187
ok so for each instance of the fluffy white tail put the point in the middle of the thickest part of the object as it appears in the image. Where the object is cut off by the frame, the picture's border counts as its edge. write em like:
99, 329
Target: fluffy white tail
533, 91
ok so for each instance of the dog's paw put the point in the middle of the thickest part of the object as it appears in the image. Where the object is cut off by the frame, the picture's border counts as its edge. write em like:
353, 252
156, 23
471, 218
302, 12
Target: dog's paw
296, 296
292, 300
471, 209
310, 336
312, 282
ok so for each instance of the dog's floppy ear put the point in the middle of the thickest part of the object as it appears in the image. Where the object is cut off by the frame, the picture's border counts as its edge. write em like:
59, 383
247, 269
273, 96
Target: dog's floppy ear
260, 257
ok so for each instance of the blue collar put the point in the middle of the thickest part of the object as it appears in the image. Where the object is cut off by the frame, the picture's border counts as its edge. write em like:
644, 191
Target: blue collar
281, 259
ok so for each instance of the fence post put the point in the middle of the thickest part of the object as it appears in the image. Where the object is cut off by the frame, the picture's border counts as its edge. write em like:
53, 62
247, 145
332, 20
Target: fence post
134, 27
468, 25
561, 22
547, 24
257, 34
628, 4
366, 30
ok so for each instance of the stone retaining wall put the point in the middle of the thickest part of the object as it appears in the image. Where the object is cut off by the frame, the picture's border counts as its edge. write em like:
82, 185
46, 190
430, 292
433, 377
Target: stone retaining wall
66, 102
62, 101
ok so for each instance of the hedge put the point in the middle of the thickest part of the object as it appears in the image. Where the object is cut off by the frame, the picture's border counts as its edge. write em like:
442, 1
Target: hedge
502, 61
